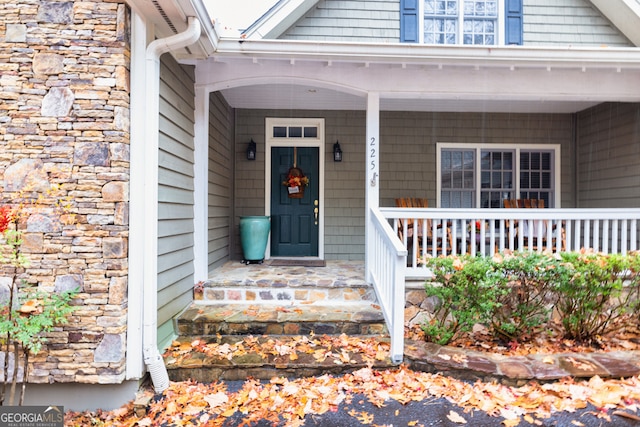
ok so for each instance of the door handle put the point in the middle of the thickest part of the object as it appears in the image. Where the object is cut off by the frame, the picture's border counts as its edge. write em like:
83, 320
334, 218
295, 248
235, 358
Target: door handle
315, 210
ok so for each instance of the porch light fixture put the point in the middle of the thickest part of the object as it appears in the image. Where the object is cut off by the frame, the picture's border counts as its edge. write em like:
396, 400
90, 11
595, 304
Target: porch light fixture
251, 150
337, 152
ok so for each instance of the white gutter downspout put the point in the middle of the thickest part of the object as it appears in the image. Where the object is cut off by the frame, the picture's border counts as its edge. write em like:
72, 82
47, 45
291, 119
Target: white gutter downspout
156, 48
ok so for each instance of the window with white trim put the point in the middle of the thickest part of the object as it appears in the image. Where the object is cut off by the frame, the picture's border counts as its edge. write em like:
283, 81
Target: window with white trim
461, 22
471, 176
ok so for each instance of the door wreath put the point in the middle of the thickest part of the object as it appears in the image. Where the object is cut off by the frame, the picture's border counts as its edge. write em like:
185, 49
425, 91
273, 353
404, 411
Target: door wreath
295, 183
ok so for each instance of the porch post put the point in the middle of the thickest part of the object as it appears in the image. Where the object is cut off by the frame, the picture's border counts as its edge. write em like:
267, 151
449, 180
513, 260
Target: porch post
200, 211
372, 187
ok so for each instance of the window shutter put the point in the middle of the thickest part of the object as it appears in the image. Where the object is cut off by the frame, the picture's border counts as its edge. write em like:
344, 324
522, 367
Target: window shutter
513, 27
409, 21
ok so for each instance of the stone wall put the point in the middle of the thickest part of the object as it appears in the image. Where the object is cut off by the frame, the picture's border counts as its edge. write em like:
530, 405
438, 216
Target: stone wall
64, 122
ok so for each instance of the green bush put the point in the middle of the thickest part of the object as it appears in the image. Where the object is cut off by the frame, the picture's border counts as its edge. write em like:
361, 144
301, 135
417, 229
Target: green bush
602, 290
525, 283
463, 294
513, 295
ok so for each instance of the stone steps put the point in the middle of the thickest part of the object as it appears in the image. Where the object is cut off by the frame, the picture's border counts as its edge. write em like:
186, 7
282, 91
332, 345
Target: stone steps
357, 318
238, 327
233, 358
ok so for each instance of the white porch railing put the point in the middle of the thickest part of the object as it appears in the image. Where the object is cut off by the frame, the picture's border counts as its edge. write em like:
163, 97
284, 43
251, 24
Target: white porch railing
485, 231
386, 264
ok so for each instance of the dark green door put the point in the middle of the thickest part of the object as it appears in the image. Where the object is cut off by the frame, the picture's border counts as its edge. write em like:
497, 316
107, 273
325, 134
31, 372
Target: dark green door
294, 223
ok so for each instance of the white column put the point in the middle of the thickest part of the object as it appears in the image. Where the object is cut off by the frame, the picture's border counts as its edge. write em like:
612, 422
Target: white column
201, 176
372, 184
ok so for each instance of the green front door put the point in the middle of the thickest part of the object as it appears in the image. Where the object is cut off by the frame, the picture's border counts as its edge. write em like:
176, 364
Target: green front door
294, 221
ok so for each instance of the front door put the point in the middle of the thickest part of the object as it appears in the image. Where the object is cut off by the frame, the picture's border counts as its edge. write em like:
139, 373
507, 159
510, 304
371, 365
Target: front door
294, 220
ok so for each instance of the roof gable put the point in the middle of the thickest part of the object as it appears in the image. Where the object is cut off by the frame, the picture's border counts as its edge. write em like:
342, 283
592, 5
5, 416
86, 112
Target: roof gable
624, 14
278, 19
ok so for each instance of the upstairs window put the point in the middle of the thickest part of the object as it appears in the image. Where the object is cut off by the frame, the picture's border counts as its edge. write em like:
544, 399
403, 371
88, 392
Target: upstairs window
461, 22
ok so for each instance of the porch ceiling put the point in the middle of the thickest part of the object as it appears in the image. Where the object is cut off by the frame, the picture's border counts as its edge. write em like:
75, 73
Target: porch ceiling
304, 97
313, 76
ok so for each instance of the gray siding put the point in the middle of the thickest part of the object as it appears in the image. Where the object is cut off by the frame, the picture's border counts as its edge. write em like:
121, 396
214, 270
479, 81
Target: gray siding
568, 22
407, 166
220, 183
349, 20
608, 156
175, 193
546, 23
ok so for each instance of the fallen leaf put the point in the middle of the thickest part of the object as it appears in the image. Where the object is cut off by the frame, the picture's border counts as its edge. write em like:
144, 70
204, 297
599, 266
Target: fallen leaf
454, 417
215, 400
626, 415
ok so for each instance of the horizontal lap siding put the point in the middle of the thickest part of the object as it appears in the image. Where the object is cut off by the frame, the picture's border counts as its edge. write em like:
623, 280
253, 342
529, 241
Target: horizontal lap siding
568, 22
408, 146
609, 156
220, 183
407, 161
545, 22
362, 21
175, 193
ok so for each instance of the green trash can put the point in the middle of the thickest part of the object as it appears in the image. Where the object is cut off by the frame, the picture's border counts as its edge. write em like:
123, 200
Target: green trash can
254, 235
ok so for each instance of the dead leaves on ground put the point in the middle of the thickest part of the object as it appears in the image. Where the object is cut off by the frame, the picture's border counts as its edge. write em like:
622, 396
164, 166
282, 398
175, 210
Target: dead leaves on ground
289, 402
340, 349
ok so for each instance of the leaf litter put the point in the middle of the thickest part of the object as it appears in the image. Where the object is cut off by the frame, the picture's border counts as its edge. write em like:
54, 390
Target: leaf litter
287, 402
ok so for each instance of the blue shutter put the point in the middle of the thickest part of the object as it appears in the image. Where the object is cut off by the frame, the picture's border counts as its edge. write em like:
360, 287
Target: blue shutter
409, 21
513, 21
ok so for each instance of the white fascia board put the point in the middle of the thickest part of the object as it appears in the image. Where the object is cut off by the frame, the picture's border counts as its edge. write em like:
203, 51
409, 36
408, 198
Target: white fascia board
624, 14
278, 19
416, 54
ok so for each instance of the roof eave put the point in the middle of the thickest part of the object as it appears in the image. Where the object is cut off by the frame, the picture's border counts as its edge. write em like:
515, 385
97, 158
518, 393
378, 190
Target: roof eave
411, 54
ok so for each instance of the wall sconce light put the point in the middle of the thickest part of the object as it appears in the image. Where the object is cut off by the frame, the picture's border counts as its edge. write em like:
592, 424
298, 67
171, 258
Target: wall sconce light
251, 150
337, 152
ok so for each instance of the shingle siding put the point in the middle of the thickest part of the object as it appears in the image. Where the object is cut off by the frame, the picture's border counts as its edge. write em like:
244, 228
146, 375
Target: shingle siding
568, 22
408, 160
545, 23
219, 185
175, 193
608, 158
362, 21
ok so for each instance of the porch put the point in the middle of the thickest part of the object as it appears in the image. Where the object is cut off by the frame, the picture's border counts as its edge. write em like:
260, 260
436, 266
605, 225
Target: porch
392, 257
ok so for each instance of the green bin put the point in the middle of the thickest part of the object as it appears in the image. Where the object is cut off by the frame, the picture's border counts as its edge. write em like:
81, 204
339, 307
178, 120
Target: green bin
254, 234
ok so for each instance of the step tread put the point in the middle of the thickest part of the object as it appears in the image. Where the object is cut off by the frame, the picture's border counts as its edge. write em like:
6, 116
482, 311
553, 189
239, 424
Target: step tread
263, 357
291, 319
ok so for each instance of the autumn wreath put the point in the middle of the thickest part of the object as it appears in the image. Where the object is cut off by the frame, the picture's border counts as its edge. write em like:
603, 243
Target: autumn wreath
295, 183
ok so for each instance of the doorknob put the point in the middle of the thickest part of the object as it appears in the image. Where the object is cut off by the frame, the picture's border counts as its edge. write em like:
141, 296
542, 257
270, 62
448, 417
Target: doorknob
315, 210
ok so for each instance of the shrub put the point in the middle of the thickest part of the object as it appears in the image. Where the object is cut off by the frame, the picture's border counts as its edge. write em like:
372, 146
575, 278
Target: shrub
524, 282
464, 296
514, 294
595, 297
26, 313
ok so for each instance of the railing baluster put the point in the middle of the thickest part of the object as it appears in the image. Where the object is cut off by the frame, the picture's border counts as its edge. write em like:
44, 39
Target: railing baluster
596, 235
549, 229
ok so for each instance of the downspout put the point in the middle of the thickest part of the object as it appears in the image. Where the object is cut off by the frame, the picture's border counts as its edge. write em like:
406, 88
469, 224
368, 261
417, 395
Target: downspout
152, 358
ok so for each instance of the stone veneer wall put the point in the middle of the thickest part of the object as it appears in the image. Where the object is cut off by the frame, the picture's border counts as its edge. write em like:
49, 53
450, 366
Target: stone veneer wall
64, 120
